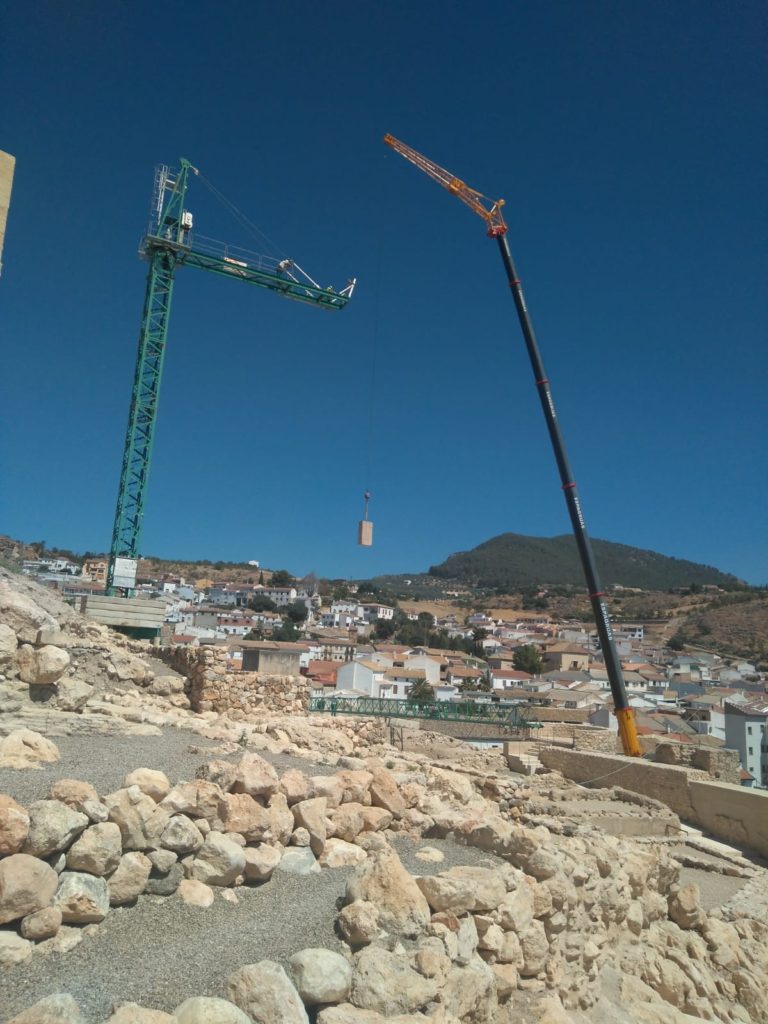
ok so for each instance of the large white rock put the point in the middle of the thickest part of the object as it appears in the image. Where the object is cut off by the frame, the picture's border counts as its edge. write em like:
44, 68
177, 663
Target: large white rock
246, 816
97, 851
197, 799
141, 821
57, 1009
385, 793
13, 949
24, 748
321, 976
20, 612
339, 854
43, 924
255, 776
181, 835
82, 898
14, 825
265, 992
126, 667
359, 923
52, 827
131, 1013
195, 894
219, 861
383, 881
7, 644
152, 783
26, 885
73, 694
260, 862
41, 666
129, 880
310, 814
298, 860
208, 1010
385, 982
464, 888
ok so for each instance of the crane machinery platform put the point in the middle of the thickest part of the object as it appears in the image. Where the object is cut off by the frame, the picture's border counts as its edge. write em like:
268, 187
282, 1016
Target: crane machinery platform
491, 213
169, 244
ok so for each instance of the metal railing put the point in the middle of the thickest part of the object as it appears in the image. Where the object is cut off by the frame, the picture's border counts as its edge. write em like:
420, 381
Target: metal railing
506, 718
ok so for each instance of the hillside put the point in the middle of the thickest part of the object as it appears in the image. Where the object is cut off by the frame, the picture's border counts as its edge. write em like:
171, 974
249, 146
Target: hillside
512, 560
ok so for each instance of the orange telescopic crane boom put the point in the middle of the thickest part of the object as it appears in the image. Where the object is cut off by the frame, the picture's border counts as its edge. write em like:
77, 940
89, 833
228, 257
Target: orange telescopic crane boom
490, 211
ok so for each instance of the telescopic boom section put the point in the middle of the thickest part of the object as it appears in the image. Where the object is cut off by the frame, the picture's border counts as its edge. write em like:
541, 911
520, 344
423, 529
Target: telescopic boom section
497, 229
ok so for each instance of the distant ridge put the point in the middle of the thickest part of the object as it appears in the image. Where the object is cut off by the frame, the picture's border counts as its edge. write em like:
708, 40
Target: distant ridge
513, 560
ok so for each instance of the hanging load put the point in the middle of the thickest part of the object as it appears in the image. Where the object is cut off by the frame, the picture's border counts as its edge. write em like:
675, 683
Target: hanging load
365, 526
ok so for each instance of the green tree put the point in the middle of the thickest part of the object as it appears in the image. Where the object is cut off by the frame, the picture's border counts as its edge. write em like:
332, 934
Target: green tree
261, 603
421, 691
527, 659
286, 632
296, 612
281, 578
677, 642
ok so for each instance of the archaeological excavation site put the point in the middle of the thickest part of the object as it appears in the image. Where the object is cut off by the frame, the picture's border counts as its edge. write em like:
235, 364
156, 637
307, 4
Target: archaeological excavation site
182, 842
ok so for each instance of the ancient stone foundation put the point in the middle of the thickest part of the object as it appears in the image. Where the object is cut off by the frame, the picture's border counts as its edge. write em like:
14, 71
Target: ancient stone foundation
213, 686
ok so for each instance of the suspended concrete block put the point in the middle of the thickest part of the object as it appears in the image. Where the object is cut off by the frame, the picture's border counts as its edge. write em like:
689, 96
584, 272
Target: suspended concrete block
365, 533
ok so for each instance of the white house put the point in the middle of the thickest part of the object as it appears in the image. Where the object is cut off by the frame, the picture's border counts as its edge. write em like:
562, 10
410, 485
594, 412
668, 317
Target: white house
361, 677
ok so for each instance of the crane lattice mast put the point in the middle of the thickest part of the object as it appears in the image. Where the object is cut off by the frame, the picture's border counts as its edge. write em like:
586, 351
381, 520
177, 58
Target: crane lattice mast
490, 211
168, 245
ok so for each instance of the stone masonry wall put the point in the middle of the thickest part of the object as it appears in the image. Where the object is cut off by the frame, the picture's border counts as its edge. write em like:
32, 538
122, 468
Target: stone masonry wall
214, 687
732, 813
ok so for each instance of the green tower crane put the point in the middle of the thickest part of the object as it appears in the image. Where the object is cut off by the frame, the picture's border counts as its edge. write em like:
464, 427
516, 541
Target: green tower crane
167, 245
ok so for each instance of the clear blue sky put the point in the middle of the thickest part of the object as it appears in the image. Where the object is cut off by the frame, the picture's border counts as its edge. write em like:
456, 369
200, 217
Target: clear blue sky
629, 141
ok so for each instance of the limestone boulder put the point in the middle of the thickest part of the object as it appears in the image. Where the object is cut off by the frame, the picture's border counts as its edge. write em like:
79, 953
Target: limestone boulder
339, 854
57, 1009
21, 613
165, 882
127, 668
209, 1010
73, 694
41, 666
359, 923
535, 949
7, 645
97, 851
25, 748
73, 793
195, 894
131, 1013
52, 827
153, 783
260, 862
375, 819
26, 885
14, 825
321, 976
385, 982
464, 888
198, 799
43, 924
219, 861
265, 992
298, 861
347, 821
328, 786
516, 910
181, 835
469, 993
141, 821
280, 818
255, 776
165, 686
247, 816
222, 773
385, 793
296, 786
382, 880
684, 906
355, 786
130, 878
310, 814
13, 949
82, 898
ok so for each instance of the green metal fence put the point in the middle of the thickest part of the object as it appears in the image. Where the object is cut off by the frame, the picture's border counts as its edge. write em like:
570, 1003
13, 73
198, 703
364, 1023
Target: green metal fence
506, 718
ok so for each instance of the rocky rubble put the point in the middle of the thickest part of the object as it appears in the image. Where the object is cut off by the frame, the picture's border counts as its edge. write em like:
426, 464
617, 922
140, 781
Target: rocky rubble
555, 921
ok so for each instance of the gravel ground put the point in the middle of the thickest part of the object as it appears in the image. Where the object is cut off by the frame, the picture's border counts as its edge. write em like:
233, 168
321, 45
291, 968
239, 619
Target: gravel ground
715, 889
104, 761
160, 951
